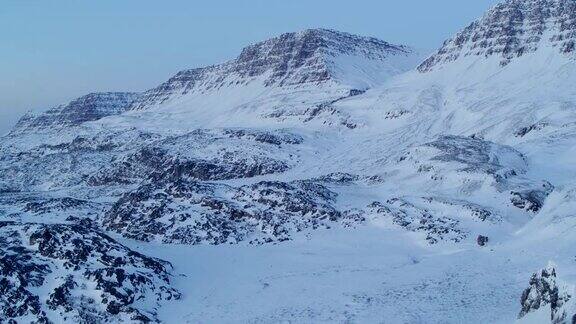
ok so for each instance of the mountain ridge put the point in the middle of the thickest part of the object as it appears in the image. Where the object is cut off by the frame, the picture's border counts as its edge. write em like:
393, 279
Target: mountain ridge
512, 29
289, 60
90, 107
337, 63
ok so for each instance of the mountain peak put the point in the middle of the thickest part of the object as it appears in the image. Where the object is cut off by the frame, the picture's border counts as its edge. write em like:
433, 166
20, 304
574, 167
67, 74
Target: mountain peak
328, 41
512, 29
308, 57
311, 49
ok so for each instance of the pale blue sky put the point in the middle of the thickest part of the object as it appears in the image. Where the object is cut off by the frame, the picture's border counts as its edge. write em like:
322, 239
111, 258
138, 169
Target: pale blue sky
55, 50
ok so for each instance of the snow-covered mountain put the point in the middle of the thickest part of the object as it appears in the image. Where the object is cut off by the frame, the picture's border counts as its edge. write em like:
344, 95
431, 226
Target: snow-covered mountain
314, 57
510, 30
294, 77
334, 168
90, 107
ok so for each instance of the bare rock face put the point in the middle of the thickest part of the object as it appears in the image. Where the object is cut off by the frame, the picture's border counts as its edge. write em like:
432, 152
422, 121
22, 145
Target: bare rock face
512, 29
87, 276
86, 108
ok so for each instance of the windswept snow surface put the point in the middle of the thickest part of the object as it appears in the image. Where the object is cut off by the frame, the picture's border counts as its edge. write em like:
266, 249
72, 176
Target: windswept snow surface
368, 275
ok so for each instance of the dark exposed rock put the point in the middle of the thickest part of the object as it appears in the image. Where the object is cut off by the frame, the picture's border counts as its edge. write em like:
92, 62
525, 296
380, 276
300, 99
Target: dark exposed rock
276, 138
201, 213
482, 240
76, 264
338, 178
220, 170
55, 204
156, 165
546, 291
396, 114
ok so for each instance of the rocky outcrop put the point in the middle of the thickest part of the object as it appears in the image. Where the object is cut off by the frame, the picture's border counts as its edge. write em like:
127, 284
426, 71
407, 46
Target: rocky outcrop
546, 291
191, 212
531, 199
412, 218
482, 240
70, 272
